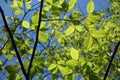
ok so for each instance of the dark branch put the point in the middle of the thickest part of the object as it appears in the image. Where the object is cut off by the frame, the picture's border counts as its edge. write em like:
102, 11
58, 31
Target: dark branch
36, 41
13, 42
115, 50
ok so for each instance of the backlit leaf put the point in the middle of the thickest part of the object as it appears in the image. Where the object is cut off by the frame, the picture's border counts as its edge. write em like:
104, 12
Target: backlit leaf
71, 63
69, 31
19, 3
10, 69
55, 71
26, 24
14, 7
28, 5
89, 42
79, 28
65, 70
74, 53
33, 72
98, 33
90, 7
43, 37
35, 19
71, 4
12, 76
52, 66
19, 11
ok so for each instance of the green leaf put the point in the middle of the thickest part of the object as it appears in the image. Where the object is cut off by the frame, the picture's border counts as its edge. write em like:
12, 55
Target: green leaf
33, 72
28, 5
35, 19
61, 1
98, 33
60, 62
90, 42
29, 1
52, 66
89, 64
92, 76
71, 63
90, 6
10, 69
19, 3
43, 37
74, 53
79, 28
69, 31
82, 61
19, 11
12, 76
0, 62
26, 24
71, 77
72, 4
14, 7
9, 56
54, 71
65, 70
19, 77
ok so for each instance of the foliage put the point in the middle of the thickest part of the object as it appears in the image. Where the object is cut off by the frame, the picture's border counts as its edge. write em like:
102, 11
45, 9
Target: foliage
70, 45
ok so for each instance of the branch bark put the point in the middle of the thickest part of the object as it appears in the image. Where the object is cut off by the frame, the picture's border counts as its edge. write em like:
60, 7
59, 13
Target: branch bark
115, 50
13, 43
36, 41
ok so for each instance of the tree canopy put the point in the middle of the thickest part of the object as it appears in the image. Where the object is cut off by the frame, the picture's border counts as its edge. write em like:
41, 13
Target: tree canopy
54, 40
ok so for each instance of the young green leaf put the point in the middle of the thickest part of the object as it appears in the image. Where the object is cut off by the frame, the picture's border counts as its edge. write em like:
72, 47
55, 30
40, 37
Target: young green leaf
71, 63
19, 3
35, 19
60, 62
28, 5
89, 42
69, 31
72, 4
43, 37
65, 70
52, 66
98, 33
26, 24
33, 72
61, 1
10, 69
11, 76
54, 71
90, 6
74, 53
79, 28
71, 77
14, 7
19, 11
93, 76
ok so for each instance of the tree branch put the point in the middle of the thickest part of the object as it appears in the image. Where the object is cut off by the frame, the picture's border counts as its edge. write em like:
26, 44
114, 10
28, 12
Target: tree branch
13, 43
36, 41
115, 50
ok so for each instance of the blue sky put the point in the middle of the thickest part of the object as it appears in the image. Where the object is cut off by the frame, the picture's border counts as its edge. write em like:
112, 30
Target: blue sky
99, 4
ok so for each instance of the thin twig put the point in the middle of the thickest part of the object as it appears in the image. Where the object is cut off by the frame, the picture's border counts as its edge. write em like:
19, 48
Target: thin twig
115, 50
13, 43
36, 41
